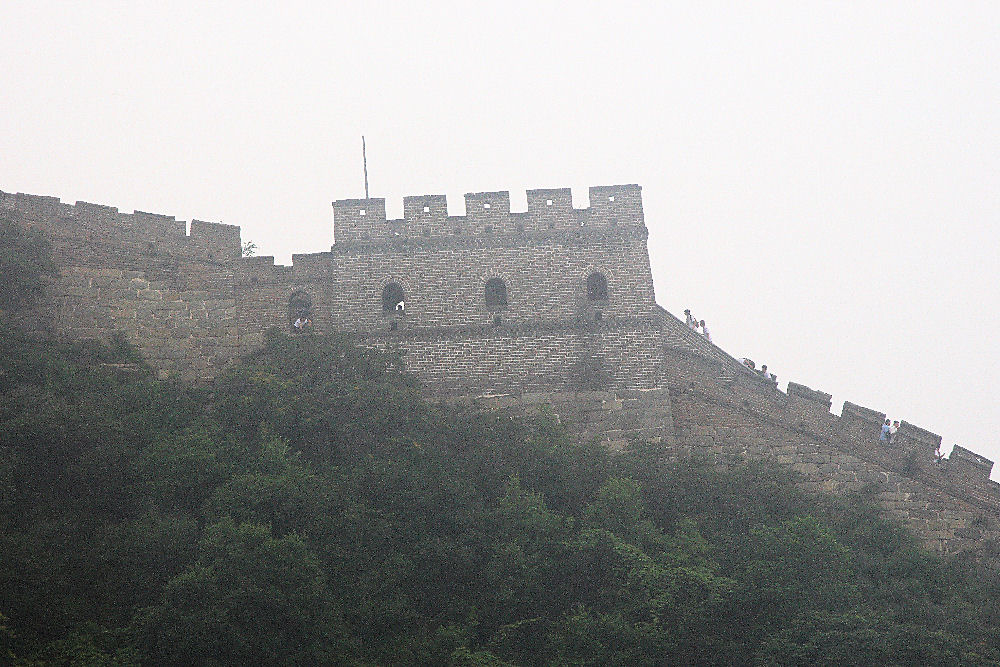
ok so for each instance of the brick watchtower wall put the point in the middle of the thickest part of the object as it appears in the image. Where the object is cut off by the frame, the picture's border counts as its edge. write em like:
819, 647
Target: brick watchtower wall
550, 332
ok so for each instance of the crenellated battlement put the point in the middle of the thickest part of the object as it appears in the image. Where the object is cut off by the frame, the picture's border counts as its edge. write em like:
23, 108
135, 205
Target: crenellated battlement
736, 406
970, 463
863, 425
86, 226
549, 210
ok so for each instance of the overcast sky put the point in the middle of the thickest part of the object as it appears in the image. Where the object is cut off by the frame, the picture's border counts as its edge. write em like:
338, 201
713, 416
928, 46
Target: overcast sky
820, 180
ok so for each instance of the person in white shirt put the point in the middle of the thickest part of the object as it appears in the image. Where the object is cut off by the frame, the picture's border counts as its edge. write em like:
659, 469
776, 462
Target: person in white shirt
892, 431
704, 331
690, 320
298, 324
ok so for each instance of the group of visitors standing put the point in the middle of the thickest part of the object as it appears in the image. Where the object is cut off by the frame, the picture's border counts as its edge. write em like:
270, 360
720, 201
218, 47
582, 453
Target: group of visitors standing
888, 434
695, 325
763, 372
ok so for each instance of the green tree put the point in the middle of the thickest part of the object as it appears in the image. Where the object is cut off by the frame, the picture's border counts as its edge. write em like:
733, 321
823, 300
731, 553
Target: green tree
249, 599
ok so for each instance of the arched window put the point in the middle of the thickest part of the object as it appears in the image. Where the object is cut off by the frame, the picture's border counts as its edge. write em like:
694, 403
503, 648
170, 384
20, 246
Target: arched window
393, 299
495, 294
299, 311
597, 287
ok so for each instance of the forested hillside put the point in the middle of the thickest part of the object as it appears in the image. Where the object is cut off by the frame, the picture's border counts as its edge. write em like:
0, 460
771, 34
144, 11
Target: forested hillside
311, 508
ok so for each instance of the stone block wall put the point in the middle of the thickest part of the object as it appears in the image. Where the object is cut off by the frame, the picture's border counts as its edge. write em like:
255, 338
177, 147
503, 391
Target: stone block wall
612, 417
188, 333
444, 283
525, 360
722, 409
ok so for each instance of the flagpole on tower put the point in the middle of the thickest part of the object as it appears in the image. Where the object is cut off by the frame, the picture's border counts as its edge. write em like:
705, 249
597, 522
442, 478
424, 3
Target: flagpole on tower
364, 159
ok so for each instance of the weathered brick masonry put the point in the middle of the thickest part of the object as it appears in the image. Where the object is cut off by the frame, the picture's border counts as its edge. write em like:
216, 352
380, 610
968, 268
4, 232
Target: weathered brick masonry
552, 308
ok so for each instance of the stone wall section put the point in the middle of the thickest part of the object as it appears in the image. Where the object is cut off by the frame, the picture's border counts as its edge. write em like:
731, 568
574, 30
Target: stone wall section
612, 368
512, 360
191, 303
613, 418
950, 503
188, 333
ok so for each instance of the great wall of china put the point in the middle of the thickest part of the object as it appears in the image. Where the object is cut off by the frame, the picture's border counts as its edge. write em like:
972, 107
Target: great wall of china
553, 306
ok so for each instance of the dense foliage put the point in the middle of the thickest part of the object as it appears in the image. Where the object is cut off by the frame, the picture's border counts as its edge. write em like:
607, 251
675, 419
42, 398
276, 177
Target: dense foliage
311, 508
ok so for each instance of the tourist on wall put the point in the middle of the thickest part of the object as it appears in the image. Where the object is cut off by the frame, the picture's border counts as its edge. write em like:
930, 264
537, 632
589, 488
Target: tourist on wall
883, 437
892, 431
704, 331
689, 319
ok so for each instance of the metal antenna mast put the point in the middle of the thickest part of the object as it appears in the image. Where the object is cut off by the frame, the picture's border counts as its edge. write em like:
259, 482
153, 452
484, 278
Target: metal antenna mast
364, 159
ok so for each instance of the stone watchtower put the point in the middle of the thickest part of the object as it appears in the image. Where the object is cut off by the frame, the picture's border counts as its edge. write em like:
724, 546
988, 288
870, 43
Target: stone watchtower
494, 301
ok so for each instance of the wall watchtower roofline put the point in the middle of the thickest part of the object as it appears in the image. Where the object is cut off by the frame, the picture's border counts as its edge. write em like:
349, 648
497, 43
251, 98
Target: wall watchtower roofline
359, 221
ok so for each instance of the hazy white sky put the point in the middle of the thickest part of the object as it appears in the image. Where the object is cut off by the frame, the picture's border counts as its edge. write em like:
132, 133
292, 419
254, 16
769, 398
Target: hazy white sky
820, 180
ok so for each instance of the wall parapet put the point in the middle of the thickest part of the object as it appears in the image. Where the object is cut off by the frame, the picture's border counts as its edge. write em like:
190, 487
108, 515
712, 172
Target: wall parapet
815, 399
856, 413
918, 440
744, 417
139, 231
970, 462
808, 410
364, 220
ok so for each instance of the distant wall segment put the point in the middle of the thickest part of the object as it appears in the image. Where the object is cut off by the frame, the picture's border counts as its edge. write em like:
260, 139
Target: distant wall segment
723, 409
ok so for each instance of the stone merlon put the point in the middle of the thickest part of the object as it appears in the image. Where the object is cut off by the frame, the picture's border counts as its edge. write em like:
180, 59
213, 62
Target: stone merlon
800, 391
972, 461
